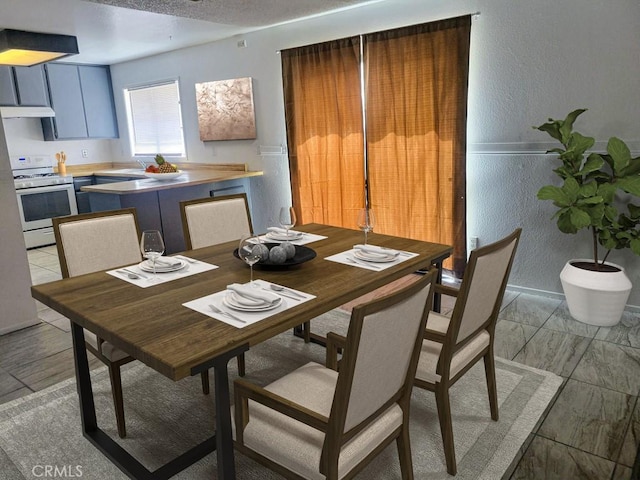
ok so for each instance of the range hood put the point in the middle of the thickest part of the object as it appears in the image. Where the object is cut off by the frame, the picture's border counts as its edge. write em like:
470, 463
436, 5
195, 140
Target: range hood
26, 112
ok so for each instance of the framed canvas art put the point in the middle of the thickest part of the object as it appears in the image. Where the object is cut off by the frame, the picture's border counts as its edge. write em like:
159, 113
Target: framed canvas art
225, 109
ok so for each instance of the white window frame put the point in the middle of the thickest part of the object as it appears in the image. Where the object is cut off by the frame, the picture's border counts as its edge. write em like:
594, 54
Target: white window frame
166, 139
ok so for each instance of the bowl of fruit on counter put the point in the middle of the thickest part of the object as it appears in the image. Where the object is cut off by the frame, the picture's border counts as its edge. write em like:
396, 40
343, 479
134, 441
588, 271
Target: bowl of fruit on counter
162, 170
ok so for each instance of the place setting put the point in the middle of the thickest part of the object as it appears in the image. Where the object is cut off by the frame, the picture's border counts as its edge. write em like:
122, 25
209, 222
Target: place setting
156, 268
244, 304
370, 257
287, 220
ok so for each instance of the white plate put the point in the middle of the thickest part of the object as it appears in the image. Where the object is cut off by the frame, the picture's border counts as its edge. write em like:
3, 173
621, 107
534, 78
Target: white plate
374, 257
282, 237
229, 301
147, 266
163, 176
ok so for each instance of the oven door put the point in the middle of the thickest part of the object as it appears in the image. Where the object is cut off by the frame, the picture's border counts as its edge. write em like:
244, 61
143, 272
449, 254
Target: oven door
39, 205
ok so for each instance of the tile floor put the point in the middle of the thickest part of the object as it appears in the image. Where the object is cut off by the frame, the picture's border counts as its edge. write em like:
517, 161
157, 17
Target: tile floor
591, 430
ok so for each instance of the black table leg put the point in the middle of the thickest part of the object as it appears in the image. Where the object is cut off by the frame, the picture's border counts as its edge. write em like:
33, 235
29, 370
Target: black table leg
222, 441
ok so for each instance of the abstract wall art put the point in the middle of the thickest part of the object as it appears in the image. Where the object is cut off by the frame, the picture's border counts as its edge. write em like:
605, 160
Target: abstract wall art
226, 110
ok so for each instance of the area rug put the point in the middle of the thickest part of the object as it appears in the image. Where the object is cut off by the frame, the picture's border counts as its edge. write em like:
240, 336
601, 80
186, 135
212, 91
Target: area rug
41, 433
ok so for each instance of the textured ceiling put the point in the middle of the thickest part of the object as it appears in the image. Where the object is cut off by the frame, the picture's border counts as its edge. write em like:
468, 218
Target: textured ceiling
248, 13
113, 31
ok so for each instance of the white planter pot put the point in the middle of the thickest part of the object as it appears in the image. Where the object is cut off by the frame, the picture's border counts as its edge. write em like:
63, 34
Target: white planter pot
596, 298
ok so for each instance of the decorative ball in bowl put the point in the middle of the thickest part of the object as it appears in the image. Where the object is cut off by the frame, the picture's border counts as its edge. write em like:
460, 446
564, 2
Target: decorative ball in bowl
280, 257
163, 176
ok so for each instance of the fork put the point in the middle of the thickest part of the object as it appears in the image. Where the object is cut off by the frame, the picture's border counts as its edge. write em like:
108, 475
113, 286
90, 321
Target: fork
223, 312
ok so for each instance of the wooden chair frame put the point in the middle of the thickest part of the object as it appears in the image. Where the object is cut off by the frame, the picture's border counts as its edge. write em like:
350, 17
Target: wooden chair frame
186, 203
113, 366
333, 426
189, 246
450, 345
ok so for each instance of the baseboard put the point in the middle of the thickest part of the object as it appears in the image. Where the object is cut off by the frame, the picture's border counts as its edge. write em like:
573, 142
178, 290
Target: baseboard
558, 296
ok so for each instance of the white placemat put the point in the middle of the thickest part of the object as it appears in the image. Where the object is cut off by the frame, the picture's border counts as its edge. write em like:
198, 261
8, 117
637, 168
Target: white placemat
348, 258
192, 267
290, 298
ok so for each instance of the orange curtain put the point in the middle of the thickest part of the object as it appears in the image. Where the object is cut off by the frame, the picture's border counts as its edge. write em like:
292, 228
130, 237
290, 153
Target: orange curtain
324, 131
416, 103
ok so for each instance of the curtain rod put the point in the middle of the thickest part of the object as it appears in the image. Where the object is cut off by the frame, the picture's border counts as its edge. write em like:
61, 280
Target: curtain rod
472, 15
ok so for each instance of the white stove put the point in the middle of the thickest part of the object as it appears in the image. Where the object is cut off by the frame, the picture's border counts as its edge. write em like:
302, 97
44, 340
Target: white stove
36, 171
42, 195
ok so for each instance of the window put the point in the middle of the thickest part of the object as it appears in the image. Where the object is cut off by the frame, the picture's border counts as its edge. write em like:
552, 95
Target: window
155, 119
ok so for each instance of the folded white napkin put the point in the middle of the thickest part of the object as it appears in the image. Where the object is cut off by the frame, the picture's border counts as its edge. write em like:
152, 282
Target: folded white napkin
375, 250
168, 261
282, 231
251, 295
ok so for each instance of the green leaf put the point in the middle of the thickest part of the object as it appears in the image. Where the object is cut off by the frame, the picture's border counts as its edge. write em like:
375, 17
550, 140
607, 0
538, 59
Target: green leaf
593, 164
578, 144
579, 218
556, 194
571, 188
634, 211
607, 191
588, 189
619, 153
552, 128
596, 213
565, 224
589, 200
567, 125
610, 212
630, 184
635, 246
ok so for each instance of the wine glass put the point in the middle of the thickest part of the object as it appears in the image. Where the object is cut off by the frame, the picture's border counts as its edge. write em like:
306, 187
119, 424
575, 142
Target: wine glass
250, 251
366, 221
287, 218
152, 247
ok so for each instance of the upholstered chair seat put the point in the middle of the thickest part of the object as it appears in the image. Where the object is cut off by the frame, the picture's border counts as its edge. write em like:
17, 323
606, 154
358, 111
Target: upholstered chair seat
452, 345
328, 422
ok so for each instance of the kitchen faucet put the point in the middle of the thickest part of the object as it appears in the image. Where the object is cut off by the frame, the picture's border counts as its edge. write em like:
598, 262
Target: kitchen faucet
141, 162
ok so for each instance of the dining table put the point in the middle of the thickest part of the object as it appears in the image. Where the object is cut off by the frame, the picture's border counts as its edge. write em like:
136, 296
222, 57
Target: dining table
154, 326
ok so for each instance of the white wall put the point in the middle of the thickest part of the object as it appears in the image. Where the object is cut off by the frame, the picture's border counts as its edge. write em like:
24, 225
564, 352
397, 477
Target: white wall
24, 137
18, 308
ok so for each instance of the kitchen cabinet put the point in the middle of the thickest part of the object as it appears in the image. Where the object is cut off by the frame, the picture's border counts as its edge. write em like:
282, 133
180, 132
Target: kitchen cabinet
82, 198
23, 86
82, 98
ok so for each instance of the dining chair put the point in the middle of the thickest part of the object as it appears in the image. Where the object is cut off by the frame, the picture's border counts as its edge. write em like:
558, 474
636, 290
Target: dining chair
452, 345
214, 220
91, 242
329, 421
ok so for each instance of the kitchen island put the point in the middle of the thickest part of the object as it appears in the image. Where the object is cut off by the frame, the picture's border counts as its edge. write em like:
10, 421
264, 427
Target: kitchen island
158, 201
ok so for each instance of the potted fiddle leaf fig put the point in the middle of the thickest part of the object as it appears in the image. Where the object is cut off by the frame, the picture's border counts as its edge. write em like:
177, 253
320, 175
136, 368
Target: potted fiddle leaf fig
596, 193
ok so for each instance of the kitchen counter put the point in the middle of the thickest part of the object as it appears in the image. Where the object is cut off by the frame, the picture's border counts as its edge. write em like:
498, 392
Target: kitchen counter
157, 202
144, 184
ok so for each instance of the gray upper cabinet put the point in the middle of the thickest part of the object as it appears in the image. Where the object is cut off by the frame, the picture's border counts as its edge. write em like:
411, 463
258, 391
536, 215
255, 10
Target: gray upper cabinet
66, 101
99, 108
23, 86
82, 99
8, 94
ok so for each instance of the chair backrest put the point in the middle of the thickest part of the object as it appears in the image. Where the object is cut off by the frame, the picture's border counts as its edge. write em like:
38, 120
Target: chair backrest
482, 288
213, 220
91, 242
380, 359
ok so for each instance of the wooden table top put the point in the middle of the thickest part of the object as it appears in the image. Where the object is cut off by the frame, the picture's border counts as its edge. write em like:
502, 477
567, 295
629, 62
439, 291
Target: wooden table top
151, 324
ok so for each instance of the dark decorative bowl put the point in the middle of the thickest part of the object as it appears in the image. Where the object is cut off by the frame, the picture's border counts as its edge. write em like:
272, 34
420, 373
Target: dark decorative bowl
303, 254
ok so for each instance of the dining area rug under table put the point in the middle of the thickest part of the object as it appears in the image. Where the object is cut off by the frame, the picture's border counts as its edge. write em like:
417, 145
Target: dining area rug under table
43, 430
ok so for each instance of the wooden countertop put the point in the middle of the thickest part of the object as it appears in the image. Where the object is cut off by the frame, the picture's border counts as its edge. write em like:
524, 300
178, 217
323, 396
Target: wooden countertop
144, 184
